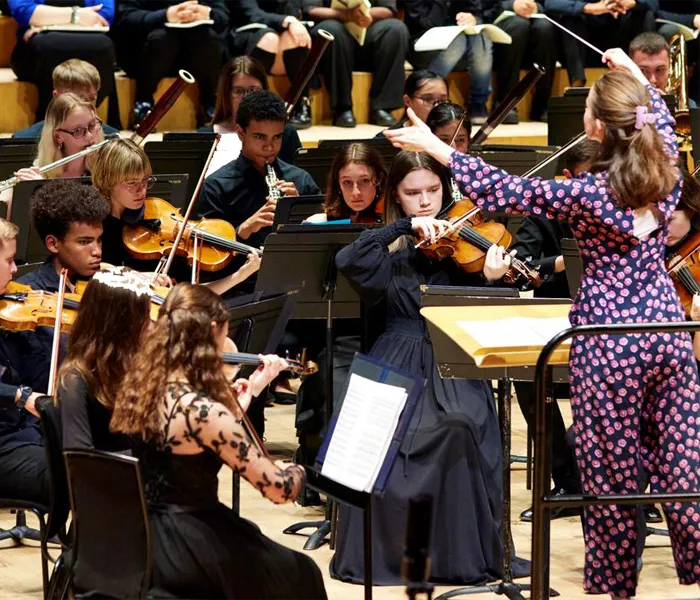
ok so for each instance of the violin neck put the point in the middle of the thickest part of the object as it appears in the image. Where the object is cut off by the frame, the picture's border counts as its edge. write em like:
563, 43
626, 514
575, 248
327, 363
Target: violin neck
240, 358
222, 242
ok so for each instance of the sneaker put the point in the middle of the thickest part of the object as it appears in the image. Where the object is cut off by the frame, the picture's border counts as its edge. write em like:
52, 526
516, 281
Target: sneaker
301, 115
141, 109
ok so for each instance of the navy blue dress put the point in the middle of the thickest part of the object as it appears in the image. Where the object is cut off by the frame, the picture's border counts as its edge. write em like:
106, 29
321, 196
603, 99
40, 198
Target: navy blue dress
452, 449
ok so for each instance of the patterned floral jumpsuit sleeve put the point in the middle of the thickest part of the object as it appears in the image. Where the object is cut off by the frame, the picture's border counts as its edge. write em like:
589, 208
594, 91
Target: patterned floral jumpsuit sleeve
635, 398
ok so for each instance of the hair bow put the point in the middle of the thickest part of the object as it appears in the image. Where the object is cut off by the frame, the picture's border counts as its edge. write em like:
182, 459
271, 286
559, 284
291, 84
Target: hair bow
644, 117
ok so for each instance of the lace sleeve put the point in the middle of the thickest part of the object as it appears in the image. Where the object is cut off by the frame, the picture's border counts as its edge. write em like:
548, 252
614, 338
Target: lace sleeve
195, 422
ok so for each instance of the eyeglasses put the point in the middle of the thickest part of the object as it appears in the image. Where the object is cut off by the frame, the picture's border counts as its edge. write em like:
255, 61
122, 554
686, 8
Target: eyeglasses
432, 100
362, 184
80, 132
135, 186
239, 92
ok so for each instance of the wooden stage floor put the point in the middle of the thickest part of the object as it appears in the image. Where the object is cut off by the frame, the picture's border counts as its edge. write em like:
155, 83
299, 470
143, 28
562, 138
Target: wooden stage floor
20, 572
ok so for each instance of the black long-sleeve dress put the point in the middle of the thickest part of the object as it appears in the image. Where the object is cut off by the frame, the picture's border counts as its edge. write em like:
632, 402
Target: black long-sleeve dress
452, 448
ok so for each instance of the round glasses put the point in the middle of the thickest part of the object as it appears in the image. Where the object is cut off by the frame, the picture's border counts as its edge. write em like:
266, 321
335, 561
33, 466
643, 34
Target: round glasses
239, 92
432, 100
135, 186
81, 132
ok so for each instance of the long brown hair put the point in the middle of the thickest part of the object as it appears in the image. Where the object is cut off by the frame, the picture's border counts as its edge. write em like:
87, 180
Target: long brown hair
689, 201
104, 337
241, 65
182, 340
639, 171
334, 205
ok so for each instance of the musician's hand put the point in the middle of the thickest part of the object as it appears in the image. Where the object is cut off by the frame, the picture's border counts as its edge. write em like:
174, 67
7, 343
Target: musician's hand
524, 8
287, 188
29, 174
603, 7
251, 265
355, 15
90, 16
243, 391
181, 13
622, 6
264, 217
160, 279
30, 406
270, 367
696, 22
617, 60
429, 228
695, 308
199, 12
419, 138
559, 264
300, 34
465, 19
497, 262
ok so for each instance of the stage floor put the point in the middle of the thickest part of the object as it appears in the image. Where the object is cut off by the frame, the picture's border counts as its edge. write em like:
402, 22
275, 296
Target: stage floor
20, 571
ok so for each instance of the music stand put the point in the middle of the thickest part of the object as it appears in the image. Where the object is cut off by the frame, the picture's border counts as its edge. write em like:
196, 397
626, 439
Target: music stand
517, 159
189, 136
303, 257
180, 157
295, 209
16, 156
572, 264
255, 323
453, 362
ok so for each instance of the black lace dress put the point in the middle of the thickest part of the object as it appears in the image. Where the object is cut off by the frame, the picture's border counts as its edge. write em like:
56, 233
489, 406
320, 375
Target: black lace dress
201, 548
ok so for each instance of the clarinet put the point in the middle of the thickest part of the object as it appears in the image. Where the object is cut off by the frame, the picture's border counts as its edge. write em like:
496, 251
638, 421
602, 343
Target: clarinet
271, 181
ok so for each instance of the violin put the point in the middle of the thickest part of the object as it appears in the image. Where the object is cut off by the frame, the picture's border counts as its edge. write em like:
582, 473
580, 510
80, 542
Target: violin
684, 267
244, 358
25, 309
468, 240
154, 236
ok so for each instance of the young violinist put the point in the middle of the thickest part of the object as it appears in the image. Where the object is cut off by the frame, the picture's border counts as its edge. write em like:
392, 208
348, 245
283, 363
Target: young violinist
23, 471
239, 77
355, 186
182, 411
619, 214
122, 173
452, 443
443, 120
238, 192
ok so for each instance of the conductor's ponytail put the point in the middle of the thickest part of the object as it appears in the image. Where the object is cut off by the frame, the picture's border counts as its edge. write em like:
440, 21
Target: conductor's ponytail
640, 172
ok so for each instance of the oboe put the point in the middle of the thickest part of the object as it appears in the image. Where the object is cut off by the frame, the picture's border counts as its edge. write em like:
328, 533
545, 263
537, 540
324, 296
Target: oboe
271, 181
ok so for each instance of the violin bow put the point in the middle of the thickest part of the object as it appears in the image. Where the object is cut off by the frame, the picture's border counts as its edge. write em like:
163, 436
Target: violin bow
696, 170
53, 369
573, 35
186, 217
555, 155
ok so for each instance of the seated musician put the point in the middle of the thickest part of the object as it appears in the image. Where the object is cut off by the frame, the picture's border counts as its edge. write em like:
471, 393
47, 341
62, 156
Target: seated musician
182, 411
443, 120
76, 77
238, 192
452, 443
238, 78
355, 186
23, 471
122, 173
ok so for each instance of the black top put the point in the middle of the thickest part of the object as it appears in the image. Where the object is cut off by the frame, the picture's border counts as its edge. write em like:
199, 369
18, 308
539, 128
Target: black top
142, 16
290, 142
422, 15
85, 419
267, 12
679, 11
114, 251
540, 241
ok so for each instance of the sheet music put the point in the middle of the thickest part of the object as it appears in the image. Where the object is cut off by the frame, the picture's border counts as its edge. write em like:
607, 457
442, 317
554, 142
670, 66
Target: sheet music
363, 432
439, 38
514, 332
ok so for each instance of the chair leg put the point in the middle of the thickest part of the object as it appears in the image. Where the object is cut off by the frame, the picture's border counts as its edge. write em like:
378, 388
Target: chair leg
60, 580
43, 532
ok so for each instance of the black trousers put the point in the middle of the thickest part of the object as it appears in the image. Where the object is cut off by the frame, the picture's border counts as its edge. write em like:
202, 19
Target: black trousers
35, 61
534, 41
604, 32
165, 51
564, 469
24, 474
383, 53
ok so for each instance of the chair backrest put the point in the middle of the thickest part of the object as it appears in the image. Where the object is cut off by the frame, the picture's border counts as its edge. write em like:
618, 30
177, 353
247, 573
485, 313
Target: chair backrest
112, 546
53, 443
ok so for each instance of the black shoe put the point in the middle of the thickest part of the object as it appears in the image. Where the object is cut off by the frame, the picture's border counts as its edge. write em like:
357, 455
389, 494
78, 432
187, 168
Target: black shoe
382, 118
141, 109
542, 117
557, 513
512, 118
478, 114
301, 115
309, 498
652, 514
344, 118
285, 398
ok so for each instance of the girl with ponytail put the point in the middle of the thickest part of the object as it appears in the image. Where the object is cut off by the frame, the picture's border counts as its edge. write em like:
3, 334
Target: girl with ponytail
180, 407
629, 393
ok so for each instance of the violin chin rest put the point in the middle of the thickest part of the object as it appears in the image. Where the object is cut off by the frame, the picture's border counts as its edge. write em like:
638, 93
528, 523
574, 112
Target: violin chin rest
151, 224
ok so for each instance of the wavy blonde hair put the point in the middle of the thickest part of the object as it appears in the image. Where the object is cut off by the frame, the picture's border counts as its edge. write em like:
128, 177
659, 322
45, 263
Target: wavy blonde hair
181, 341
118, 161
58, 111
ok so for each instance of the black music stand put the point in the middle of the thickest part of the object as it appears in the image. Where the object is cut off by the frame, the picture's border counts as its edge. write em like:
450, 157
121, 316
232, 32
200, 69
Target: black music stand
453, 362
256, 322
189, 136
572, 263
516, 159
292, 210
180, 157
303, 257
14, 157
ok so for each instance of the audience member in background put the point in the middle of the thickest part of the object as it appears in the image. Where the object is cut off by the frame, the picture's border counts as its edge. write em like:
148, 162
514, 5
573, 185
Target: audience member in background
471, 53
651, 54
281, 45
383, 53
77, 77
153, 42
603, 23
239, 77
355, 186
38, 52
443, 120
534, 41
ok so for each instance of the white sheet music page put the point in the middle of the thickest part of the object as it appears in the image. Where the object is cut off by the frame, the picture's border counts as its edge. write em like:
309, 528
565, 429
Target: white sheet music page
514, 332
363, 432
